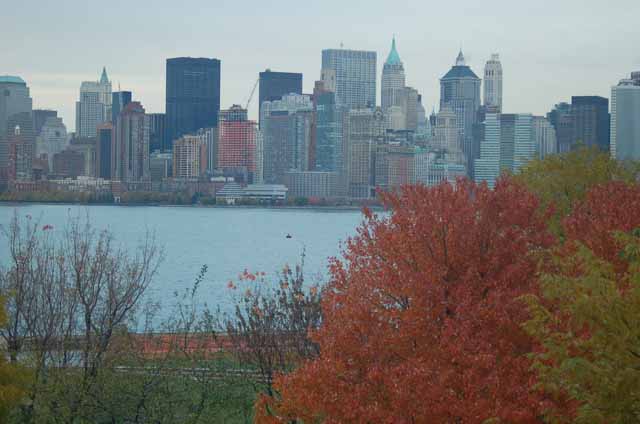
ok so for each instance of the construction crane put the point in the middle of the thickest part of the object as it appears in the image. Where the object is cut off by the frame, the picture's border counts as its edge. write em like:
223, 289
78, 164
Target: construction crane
253, 90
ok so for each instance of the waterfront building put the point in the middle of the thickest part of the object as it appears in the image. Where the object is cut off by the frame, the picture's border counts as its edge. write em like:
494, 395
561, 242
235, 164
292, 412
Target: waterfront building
52, 138
20, 166
355, 76
460, 91
545, 137
364, 131
68, 164
492, 93
160, 166
591, 121
94, 105
274, 85
192, 96
237, 137
328, 127
104, 144
625, 119
130, 151
189, 157
287, 127
119, 99
14, 99
87, 147
210, 138
312, 184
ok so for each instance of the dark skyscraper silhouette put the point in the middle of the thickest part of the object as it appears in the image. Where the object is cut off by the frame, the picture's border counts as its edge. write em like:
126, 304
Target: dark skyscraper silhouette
591, 121
274, 85
119, 99
193, 96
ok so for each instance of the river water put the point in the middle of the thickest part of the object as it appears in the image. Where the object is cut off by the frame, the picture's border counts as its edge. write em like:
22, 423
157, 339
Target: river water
227, 240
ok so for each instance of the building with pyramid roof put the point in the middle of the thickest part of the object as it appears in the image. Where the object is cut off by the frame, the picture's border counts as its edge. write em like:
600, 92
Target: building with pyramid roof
94, 105
393, 78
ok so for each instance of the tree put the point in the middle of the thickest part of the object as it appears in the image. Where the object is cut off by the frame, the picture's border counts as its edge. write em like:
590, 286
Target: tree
563, 180
13, 379
269, 327
422, 318
588, 317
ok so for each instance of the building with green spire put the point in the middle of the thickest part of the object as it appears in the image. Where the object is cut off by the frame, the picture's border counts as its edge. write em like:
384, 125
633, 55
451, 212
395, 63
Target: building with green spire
393, 78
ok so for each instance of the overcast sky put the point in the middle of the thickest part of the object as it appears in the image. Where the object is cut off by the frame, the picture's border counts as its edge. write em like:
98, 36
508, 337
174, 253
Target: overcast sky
550, 49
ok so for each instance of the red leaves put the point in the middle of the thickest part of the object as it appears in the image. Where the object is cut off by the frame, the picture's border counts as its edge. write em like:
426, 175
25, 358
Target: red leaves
422, 319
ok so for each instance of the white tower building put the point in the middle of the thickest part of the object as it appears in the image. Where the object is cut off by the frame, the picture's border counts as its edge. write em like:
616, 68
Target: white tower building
493, 84
393, 79
94, 106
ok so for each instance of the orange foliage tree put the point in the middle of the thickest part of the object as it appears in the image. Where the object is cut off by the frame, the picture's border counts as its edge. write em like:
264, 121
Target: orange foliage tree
422, 318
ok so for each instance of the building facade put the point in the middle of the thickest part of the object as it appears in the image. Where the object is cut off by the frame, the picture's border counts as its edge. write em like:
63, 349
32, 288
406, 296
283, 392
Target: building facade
460, 91
14, 99
157, 133
274, 85
104, 145
130, 151
189, 157
545, 137
192, 96
492, 93
591, 121
625, 119
94, 106
393, 79
52, 138
355, 76
237, 137
119, 99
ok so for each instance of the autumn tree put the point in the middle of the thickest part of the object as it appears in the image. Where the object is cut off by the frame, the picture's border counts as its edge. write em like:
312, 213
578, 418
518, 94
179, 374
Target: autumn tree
588, 318
563, 180
422, 317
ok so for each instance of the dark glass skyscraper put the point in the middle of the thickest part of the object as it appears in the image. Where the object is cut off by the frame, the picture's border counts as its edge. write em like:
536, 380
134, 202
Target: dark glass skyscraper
274, 85
119, 100
158, 132
591, 121
193, 96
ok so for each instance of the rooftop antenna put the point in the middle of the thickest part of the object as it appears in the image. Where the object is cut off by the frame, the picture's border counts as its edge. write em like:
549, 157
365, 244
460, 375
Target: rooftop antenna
341, 45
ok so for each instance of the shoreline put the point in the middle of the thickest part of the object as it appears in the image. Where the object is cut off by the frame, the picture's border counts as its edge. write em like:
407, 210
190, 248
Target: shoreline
276, 207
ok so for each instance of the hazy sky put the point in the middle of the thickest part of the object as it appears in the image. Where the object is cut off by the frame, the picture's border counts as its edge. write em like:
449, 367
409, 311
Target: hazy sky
550, 49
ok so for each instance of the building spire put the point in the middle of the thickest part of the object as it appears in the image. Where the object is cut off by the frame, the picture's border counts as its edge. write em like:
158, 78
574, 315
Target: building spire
394, 57
104, 79
460, 59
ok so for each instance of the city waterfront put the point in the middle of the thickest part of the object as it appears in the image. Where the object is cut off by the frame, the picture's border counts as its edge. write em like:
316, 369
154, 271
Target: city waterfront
227, 240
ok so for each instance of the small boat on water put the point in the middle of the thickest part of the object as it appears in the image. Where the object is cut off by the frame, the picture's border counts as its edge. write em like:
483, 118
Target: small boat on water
289, 236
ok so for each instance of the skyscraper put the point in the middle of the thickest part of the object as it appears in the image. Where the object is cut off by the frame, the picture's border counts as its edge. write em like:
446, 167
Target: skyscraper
625, 119
40, 116
393, 79
192, 95
355, 76
591, 121
94, 105
157, 132
460, 91
237, 141
20, 156
286, 136
104, 145
119, 99
493, 84
545, 137
14, 98
51, 139
130, 152
562, 120
274, 85
189, 157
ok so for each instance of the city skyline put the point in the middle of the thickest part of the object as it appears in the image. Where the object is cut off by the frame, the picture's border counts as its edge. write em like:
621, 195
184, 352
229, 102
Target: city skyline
575, 54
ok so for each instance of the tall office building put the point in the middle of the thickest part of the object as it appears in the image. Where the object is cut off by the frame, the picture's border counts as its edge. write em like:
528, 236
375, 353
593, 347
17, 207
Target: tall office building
545, 137
157, 132
94, 105
446, 137
104, 144
189, 157
562, 120
625, 119
237, 141
591, 121
460, 91
355, 76
364, 131
119, 99
192, 96
130, 151
40, 116
274, 85
493, 84
328, 136
14, 98
51, 139
393, 79
20, 161
210, 139
509, 143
